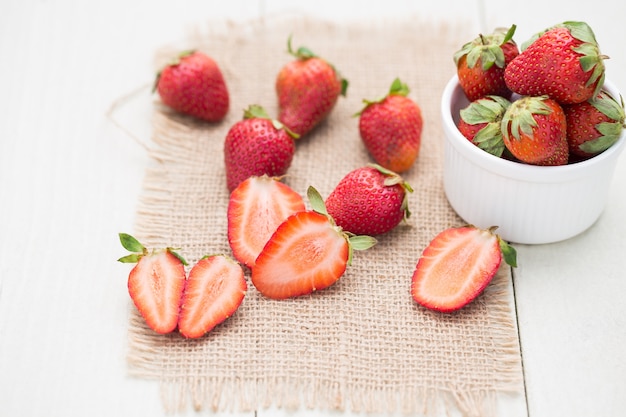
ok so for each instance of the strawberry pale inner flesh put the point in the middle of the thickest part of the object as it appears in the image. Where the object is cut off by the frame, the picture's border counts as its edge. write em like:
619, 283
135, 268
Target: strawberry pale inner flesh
156, 286
305, 254
457, 270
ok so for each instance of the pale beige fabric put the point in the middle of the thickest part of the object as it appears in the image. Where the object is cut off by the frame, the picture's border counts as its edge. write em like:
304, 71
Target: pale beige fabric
363, 344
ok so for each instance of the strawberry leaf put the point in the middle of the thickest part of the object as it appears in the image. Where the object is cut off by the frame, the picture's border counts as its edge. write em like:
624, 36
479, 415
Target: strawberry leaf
610, 134
362, 242
178, 256
131, 244
485, 110
489, 139
254, 111
316, 200
130, 259
608, 106
399, 88
358, 243
581, 31
508, 253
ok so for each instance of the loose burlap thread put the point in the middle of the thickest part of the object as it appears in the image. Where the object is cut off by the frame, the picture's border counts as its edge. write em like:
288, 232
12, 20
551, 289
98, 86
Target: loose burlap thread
362, 345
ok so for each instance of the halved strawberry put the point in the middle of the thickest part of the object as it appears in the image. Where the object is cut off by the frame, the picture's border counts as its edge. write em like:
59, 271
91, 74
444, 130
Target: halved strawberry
456, 267
255, 209
308, 252
155, 284
213, 292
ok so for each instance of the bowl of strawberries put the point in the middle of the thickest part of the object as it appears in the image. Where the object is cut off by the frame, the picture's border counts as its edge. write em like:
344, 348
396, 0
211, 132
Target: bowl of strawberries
533, 133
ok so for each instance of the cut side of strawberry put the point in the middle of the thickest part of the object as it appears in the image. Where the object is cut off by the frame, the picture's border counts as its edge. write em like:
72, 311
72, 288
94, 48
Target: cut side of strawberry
304, 255
213, 292
155, 284
457, 266
308, 252
255, 209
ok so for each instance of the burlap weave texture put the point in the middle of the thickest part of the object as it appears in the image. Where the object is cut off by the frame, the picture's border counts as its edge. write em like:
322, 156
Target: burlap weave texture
363, 344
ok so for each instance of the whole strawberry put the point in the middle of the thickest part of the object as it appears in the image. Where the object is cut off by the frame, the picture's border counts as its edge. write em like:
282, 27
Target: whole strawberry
370, 201
391, 128
480, 123
593, 125
480, 64
257, 145
563, 62
307, 88
193, 84
534, 131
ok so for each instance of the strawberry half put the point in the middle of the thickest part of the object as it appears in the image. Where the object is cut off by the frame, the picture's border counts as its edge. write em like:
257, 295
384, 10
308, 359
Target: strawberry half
456, 267
255, 209
155, 284
308, 252
213, 292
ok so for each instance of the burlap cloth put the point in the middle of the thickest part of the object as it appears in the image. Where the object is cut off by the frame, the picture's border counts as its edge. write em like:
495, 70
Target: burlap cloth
363, 345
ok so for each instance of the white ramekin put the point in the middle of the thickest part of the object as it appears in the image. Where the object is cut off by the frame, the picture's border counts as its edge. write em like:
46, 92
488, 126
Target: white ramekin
529, 204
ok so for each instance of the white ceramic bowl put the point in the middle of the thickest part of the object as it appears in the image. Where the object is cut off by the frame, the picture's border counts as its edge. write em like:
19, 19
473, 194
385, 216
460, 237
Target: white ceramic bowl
529, 204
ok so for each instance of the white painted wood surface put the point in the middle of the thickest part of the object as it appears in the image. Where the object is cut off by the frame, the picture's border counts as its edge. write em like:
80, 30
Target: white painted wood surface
70, 180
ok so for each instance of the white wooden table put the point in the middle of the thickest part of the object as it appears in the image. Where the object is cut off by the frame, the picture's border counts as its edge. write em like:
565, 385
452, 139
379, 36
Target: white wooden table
70, 180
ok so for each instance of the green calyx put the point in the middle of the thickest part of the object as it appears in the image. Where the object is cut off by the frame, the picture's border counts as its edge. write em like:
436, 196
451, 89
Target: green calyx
520, 116
610, 131
391, 179
138, 250
355, 242
485, 110
487, 49
508, 253
254, 111
397, 88
489, 110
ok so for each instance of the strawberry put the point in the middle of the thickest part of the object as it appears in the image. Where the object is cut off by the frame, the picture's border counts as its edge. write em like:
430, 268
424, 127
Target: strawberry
213, 292
155, 283
307, 252
307, 88
457, 265
480, 123
257, 145
593, 125
480, 64
255, 209
391, 128
370, 200
193, 84
563, 62
534, 131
